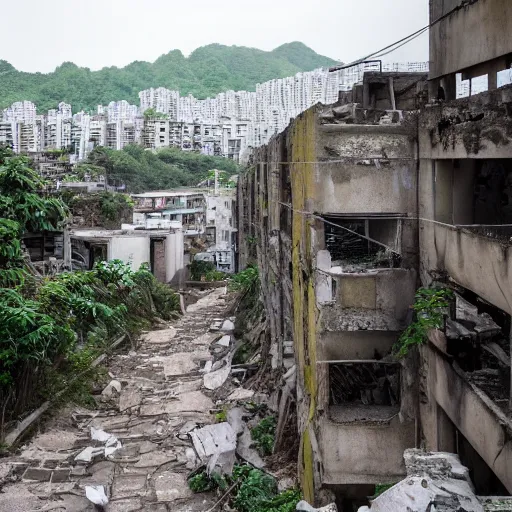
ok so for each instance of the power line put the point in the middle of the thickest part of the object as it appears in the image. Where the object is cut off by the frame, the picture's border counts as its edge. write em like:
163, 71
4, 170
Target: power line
405, 40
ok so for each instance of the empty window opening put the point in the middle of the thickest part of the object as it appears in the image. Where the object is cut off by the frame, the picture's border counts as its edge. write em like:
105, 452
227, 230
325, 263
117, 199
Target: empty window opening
504, 77
355, 244
471, 86
475, 194
363, 391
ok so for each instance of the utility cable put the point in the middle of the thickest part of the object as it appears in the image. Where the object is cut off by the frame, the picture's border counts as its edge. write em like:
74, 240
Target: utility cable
408, 218
405, 40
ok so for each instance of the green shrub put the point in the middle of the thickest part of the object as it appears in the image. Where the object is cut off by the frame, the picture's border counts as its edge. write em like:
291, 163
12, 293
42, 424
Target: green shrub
429, 313
200, 268
263, 435
255, 490
245, 281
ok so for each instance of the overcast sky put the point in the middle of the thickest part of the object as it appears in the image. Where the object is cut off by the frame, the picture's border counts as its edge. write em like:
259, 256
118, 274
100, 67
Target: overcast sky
38, 35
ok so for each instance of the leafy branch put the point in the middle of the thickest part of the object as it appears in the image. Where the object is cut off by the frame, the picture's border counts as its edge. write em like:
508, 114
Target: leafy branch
429, 312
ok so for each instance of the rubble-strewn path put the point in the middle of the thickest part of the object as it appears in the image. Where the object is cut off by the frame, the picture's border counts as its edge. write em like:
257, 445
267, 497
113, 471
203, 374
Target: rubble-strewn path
160, 400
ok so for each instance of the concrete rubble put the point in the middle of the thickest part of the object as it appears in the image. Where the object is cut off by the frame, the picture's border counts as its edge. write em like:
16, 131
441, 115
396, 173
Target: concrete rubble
155, 423
435, 482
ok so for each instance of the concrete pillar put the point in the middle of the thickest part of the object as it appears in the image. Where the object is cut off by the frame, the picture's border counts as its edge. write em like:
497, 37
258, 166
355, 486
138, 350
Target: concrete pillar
66, 248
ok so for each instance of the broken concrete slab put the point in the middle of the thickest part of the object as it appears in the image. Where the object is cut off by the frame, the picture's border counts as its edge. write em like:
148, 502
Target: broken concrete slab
216, 444
113, 388
125, 505
147, 447
227, 326
247, 453
304, 506
216, 378
464, 310
187, 402
171, 486
130, 397
240, 394
155, 459
205, 339
224, 341
235, 419
96, 494
18, 498
57, 440
432, 477
455, 330
89, 453
179, 364
160, 337
486, 327
126, 486
68, 503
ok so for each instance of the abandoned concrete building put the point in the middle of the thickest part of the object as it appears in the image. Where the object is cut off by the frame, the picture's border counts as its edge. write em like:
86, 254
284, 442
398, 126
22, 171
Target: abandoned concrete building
397, 186
204, 215
328, 201
161, 249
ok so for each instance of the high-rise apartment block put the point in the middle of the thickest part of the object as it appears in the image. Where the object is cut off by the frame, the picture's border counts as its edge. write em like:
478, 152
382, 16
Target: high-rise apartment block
226, 125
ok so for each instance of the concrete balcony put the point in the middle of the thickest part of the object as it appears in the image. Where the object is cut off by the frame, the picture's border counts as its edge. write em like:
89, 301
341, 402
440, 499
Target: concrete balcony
377, 299
355, 453
365, 168
479, 259
475, 415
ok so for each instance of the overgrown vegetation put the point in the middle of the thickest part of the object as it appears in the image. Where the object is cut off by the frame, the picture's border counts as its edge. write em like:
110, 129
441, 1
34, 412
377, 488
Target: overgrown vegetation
381, 489
52, 328
250, 317
253, 490
263, 435
429, 313
142, 170
205, 271
246, 281
107, 209
207, 71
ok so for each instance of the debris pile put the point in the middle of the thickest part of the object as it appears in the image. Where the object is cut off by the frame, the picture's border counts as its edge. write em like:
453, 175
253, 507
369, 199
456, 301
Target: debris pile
435, 482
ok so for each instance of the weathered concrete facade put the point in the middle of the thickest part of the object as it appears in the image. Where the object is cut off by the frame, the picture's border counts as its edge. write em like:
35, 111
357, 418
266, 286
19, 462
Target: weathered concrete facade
350, 210
464, 224
324, 210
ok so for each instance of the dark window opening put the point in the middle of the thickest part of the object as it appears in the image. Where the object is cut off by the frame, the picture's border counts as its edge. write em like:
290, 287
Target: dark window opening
350, 498
363, 391
373, 243
98, 252
476, 194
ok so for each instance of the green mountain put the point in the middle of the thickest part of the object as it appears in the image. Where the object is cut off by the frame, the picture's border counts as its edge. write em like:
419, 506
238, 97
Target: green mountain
206, 72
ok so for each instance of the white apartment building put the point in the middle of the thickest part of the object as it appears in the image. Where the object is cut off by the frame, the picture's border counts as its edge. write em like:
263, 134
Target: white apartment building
225, 125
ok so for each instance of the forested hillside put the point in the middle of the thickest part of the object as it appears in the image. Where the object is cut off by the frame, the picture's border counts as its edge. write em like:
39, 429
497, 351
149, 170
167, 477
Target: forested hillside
206, 72
142, 170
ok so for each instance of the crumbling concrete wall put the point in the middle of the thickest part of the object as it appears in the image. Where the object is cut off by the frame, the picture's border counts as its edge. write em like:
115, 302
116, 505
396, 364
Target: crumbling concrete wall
347, 448
476, 127
477, 262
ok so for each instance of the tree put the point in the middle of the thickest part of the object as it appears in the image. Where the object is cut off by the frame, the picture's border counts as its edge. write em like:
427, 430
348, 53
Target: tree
21, 196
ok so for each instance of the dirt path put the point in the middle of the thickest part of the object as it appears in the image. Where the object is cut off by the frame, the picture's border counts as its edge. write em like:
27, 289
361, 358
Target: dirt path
160, 399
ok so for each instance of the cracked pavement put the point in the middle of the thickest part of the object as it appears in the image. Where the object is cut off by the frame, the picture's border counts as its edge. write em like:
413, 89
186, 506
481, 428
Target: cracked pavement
161, 399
